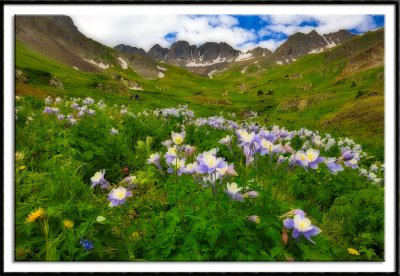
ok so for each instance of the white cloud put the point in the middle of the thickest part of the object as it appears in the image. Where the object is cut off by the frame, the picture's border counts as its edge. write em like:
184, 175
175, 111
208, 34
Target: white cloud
289, 24
146, 30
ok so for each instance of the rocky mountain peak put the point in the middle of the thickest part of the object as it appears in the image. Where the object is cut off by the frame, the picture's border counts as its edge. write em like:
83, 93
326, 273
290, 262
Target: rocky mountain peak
129, 50
300, 44
157, 52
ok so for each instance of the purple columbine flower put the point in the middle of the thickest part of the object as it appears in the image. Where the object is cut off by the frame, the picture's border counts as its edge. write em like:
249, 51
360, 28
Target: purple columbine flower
267, 147
178, 138
190, 168
91, 112
301, 227
98, 179
208, 162
170, 155
189, 150
155, 159
346, 155
177, 165
353, 163
47, 110
332, 165
72, 120
251, 194
233, 191
118, 196
167, 143
310, 158
130, 180
60, 117
249, 154
246, 138
48, 100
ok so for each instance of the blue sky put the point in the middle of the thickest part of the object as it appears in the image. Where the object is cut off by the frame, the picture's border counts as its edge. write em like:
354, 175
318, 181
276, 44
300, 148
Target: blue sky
240, 31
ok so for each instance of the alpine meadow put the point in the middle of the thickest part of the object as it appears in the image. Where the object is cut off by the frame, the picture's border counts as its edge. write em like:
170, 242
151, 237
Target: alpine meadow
198, 151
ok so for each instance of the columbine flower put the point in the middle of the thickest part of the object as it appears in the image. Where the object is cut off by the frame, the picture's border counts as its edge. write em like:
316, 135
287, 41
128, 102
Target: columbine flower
91, 112
309, 158
155, 159
189, 150
113, 131
245, 137
98, 178
254, 219
57, 100
170, 155
87, 244
33, 216
227, 142
251, 194
352, 163
88, 100
167, 143
118, 196
267, 147
48, 100
177, 165
352, 251
60, 117
47, 110
249, 154
332, 165
226, 170
190, 168
208, 162
178, 138
233, 191
72, 120
373, 167
363, 172
346, 155
301, 226
68, 223
130, 180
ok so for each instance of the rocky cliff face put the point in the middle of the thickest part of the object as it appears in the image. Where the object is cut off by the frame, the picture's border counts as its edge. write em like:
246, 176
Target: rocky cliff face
157, 52
126, 49
57, 37
300, 44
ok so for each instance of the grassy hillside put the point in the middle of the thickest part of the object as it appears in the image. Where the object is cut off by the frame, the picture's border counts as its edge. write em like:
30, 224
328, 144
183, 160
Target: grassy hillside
94, 182
316, 91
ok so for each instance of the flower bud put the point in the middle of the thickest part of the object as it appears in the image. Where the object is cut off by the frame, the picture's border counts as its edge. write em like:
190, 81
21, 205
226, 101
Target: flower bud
251, 194
254, 218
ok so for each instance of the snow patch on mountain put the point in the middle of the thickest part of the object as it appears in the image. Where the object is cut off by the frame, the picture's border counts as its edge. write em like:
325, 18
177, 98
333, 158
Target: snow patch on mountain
243, 56
161, 68
161, 75
215, 61
123, 63
98, 64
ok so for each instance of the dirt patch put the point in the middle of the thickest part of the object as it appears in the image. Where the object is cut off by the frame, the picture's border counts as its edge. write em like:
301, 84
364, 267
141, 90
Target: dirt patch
302, 103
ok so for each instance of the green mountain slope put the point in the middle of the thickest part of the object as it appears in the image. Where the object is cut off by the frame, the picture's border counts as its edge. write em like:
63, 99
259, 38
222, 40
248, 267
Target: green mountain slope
340, 90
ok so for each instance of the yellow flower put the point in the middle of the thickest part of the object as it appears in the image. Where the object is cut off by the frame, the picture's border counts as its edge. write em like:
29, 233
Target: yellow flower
39, 213
352, 251
68, 223
22, 167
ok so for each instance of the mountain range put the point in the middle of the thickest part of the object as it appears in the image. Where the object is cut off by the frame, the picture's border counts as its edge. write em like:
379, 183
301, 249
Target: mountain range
64, 42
